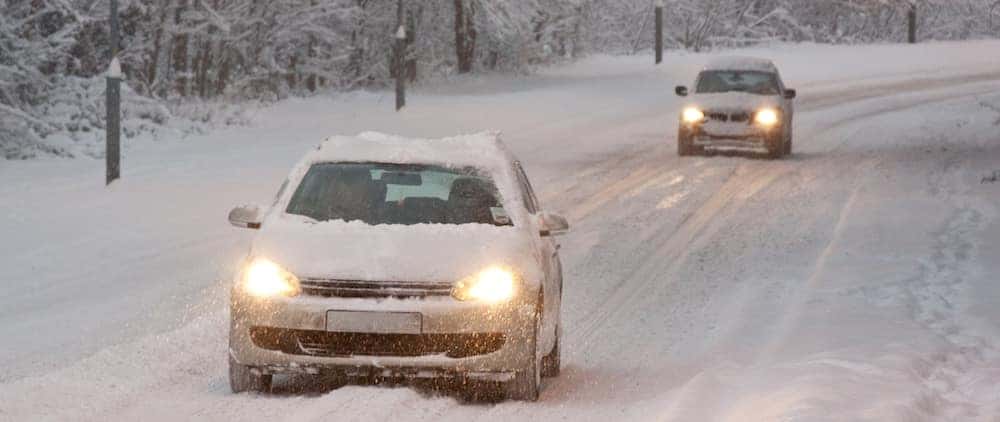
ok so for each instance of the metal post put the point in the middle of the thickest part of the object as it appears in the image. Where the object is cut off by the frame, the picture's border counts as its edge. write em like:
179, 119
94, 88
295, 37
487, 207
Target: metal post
112, 151
911, 17
659, 31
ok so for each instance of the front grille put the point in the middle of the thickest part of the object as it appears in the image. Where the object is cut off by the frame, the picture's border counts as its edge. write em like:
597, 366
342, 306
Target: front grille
735, 117
374, 289
722, 117
327, 344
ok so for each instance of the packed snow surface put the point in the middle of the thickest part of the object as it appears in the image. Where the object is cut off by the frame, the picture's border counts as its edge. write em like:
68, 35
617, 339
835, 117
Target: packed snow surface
855, 280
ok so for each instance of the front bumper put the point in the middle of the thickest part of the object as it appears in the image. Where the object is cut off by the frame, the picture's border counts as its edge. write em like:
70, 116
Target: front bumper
730, 135
290, 335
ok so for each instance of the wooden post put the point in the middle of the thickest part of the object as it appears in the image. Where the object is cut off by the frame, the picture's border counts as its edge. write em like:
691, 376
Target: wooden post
911, 17
411, 39
659, 31
112, 128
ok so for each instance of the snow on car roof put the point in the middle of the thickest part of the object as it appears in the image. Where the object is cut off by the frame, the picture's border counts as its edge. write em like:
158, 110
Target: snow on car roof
741, 63
484, 150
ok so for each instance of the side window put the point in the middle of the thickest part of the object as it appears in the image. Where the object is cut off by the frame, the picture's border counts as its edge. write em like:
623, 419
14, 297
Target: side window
528, 194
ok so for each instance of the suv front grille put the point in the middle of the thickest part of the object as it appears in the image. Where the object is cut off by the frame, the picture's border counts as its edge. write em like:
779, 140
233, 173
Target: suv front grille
374, 289
332, 344
735, 117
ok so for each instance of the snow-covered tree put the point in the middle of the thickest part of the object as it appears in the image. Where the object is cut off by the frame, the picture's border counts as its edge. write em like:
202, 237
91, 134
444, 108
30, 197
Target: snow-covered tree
182, 49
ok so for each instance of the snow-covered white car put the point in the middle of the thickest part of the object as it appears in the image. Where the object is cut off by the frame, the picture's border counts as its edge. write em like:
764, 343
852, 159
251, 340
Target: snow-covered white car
385, 256
739, 103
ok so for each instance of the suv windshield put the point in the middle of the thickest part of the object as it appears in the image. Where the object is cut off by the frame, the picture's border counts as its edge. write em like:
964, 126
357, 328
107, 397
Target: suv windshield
753, 82
397, 194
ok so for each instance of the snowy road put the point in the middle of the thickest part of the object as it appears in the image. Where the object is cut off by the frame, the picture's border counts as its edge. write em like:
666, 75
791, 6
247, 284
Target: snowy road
853, 281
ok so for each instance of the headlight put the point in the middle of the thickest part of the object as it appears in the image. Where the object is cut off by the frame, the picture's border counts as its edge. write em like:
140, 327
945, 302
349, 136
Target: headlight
264, 279
766, 117
492, 285
693, 115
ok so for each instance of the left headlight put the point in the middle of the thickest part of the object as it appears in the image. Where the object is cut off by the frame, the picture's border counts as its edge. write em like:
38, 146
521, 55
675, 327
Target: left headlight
493, 285
264, 279
767, 117
692, 115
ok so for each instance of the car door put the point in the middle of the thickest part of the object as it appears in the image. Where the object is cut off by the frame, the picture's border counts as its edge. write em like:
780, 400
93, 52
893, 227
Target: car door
549, 251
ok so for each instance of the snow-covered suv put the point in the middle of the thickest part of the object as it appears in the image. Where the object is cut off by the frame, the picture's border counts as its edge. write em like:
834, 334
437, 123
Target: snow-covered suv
739, 103
384, 256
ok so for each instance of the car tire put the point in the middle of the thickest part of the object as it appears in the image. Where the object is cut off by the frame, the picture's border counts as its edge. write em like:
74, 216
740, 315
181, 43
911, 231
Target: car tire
527, 382
552, 362
788, 141
685, 145
244, 379
775, 146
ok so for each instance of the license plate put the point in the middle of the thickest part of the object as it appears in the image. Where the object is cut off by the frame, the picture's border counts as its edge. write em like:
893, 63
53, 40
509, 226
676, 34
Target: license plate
374, 322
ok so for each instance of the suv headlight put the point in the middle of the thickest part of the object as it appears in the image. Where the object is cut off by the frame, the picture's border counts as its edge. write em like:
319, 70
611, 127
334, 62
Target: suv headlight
265, 279
692, 115
493, 285
766, 117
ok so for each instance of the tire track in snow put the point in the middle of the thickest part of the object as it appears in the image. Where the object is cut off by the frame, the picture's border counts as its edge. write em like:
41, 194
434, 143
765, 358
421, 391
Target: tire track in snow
674, 246
792, 316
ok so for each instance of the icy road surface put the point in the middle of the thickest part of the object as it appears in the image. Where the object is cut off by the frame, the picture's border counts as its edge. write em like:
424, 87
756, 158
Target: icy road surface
857, 280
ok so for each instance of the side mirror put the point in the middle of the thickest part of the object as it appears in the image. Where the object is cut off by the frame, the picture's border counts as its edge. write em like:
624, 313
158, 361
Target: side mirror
554, 225
681, 91
245, 216
790, 94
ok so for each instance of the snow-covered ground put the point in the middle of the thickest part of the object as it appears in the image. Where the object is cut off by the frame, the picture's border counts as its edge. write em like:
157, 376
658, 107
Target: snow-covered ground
854, 281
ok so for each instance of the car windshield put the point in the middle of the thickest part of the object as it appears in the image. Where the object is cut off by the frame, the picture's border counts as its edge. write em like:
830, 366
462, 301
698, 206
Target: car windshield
753, 82
398, 194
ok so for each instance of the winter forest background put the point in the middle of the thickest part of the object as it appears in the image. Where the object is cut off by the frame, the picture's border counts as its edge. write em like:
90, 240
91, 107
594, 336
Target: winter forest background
196, 61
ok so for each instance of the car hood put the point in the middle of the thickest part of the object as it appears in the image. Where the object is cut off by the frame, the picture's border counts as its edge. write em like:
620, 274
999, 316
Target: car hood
424, 252
734, 101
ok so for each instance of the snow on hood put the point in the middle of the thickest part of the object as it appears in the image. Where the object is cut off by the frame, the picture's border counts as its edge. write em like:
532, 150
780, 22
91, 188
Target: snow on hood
736, 101
423, 252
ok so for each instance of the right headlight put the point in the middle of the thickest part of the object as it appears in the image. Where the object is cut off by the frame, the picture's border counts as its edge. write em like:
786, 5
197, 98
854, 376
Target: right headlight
265, 279
692, 115
492, 285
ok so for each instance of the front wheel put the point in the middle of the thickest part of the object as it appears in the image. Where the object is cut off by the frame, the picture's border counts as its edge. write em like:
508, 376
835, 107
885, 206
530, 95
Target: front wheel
551, 363
243, 378
685, 144
527, 383
776, 146
788, 141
